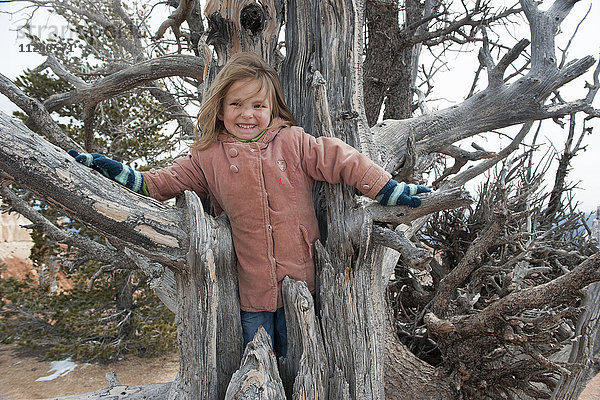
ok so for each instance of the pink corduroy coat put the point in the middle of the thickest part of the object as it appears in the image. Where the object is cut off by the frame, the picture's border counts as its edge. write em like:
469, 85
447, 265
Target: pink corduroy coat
265, 187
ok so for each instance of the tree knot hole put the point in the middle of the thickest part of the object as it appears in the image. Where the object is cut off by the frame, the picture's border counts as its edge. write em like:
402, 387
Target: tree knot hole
252, 19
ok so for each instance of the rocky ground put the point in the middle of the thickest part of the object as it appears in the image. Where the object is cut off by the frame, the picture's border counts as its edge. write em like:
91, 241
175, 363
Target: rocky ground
22, 370
592, 390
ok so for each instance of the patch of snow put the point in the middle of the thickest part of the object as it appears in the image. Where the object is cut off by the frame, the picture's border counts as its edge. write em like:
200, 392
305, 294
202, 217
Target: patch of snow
60, 368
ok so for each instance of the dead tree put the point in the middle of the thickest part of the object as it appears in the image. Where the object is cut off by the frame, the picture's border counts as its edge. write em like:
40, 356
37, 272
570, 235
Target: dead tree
341, 346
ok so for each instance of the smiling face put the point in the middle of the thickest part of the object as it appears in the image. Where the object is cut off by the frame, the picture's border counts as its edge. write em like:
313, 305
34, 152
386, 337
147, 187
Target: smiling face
246, 109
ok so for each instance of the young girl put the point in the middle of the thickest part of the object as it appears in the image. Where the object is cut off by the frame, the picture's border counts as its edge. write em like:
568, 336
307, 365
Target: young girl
259, 168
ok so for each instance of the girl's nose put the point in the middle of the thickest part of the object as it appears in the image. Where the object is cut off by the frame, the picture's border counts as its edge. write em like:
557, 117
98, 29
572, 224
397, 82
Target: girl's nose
247, 112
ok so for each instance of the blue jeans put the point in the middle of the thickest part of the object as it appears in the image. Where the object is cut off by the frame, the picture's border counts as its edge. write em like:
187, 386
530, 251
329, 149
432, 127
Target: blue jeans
274, 324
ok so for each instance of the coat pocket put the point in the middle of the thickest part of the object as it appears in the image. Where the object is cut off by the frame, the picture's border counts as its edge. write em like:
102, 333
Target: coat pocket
309, 243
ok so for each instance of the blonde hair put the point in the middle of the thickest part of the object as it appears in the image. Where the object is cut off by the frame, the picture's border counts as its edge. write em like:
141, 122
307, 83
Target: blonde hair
241, 66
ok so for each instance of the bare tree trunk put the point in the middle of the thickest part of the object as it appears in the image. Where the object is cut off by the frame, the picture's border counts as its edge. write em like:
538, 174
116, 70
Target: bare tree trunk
304, 370
349, 266
391, 58
302, 59
208, 324
244, 26
409, 378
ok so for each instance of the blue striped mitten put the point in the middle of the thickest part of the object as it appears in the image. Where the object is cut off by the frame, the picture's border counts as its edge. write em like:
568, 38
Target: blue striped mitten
400, 193
114, 170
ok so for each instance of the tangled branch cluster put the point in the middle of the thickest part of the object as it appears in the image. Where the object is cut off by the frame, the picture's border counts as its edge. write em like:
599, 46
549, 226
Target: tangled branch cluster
507, 242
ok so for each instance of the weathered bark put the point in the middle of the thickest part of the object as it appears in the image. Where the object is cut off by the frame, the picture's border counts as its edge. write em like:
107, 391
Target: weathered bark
391, 58
208, 324
245, 25
349, 269
302, 59
411, 256
351, 293
430, 203
108, 255
384, 62
258, 377
409, 378
129, 78
304, 370
43, 121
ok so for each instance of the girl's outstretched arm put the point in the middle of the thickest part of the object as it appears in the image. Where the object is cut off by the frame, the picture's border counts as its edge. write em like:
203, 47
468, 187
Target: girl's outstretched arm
332, 160
113, 170
400, 193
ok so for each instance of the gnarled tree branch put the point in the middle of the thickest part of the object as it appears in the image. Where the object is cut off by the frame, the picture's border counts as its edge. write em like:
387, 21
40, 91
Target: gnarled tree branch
151, 227
430, 203
530, 298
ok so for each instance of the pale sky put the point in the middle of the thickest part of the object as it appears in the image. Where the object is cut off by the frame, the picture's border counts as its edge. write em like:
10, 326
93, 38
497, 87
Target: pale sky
454, 84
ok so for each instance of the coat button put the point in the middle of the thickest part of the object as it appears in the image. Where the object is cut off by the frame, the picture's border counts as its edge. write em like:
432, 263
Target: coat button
233, 168
366, 186
233, 152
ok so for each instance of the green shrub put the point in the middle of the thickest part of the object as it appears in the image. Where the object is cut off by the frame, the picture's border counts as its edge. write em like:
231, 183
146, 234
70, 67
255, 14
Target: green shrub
84, 324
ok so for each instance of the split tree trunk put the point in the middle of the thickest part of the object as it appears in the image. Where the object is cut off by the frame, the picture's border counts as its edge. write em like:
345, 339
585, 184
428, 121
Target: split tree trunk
208, 314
